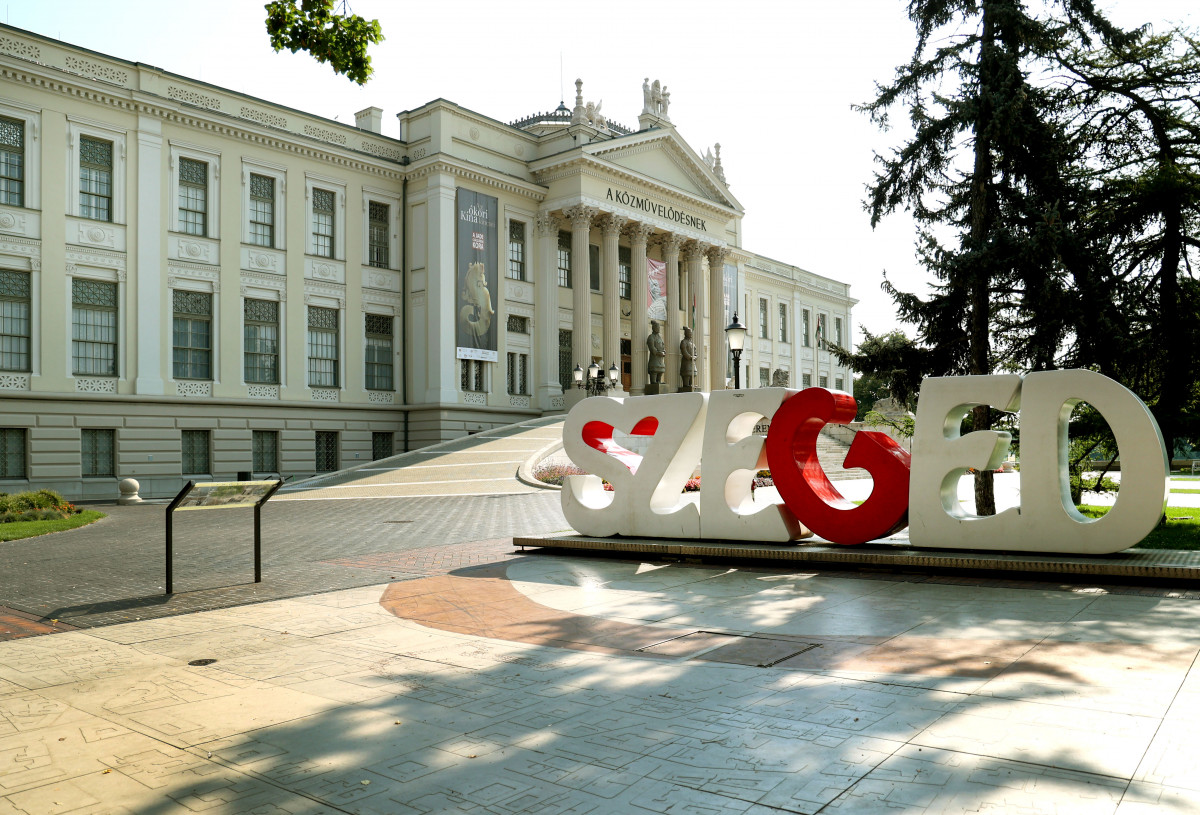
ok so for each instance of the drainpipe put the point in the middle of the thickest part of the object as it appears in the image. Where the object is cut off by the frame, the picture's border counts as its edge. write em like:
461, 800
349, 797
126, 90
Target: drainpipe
404, 299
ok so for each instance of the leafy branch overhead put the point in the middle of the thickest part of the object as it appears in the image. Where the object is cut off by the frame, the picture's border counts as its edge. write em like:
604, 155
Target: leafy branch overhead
314, 26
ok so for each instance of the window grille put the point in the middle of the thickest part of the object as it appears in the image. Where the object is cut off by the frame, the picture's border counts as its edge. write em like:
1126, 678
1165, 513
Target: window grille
564, 259
518, 374
12, 162
764, 319
195, 452
193, 196
192, 342
322, 347
261, 341
322, 204
379, 352
806, 380
764, 377
377, 235
624, 273
93, 327
518, 324
565, 365
473, 376
95, 179
823, 380
12, 452
839, 383
15, 320
516, 250
783, 322
97, 453
262, 210
804, 325
326, 451
265, 451
381, 445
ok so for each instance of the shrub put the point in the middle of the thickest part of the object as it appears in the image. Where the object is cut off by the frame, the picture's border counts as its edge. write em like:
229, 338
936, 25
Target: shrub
43, 505
554, 473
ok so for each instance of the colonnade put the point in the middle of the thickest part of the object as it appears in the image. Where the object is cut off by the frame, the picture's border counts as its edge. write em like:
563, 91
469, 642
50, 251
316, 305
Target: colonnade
675, 249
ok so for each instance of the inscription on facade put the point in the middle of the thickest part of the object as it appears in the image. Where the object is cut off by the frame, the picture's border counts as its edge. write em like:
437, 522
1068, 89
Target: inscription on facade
628, 199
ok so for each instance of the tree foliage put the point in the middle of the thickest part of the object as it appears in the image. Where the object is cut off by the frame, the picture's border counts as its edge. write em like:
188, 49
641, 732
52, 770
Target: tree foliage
891, 365
313, 26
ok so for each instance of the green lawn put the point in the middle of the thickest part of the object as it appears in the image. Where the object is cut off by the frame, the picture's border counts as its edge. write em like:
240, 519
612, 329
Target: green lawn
1187, 492
1181, 530
29, 529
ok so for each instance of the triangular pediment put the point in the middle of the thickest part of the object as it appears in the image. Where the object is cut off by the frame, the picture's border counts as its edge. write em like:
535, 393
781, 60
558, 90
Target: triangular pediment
662, 156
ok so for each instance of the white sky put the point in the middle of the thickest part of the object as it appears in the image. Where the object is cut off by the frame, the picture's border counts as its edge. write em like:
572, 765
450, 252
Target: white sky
773, 82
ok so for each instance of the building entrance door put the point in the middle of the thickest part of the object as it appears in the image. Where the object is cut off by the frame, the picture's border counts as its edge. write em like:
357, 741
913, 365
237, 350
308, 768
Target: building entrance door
626, 366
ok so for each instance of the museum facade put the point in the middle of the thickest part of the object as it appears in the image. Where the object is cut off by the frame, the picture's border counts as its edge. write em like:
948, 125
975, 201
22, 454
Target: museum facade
196, 283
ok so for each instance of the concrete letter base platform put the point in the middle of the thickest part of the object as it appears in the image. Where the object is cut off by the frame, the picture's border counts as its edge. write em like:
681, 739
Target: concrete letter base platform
1150, 565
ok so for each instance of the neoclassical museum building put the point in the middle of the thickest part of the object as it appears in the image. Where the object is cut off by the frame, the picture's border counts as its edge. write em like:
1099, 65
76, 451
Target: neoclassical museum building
197, 283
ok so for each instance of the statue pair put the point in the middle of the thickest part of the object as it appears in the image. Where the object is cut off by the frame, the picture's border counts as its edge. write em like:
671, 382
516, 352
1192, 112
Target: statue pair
656, 366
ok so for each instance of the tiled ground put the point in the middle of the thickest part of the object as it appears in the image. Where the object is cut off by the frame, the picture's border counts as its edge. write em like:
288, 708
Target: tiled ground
519, 686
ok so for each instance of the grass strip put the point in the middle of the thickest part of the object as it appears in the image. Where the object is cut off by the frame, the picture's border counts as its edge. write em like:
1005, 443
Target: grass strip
30, 529
1180, 530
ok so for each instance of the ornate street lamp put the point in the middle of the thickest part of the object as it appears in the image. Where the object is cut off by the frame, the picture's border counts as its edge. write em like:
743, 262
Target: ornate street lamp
613, 375
577, 375
735, 334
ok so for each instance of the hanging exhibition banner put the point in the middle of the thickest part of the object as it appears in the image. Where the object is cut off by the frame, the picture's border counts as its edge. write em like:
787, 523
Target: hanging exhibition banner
918, 490
656, 283
477, 263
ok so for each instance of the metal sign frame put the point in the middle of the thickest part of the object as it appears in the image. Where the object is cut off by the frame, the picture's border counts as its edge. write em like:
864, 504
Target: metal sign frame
188, 489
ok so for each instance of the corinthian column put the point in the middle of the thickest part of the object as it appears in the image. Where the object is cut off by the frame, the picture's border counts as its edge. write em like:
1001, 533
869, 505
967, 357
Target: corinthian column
670, 246
545, 334
694, 255
716, 318
639, 321
581, 300
610, 232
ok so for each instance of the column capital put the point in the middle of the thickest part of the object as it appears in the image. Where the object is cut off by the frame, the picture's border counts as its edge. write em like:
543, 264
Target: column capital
610, 224
670, 242
547, 224
580, 216
717, 255
694, 250
639, 231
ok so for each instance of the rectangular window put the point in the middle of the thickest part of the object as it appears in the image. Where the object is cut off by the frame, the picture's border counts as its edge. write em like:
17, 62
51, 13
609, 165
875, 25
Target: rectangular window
518, 374
839, 383
379, 352
837, 331
624, 273
327, 451
516, 250
821, 336
322, 215
15, 328
93, 327
518, 324
381, 445
783, 322
565, 365
261, 341
322, 347
265, 451
377, 235
12, 452
764, 318
192, 351
262, 210
806, 380
12, 162
594, 266
564, 259
193, 197
95, 179
764, 377
195, 449
804, 327
823, 380
473, 376
97, 453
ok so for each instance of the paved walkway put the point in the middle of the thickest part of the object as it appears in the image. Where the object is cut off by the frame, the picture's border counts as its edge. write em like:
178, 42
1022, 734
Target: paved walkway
450, 674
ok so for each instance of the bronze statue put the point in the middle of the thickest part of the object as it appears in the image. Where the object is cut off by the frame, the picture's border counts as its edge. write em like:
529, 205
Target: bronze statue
656, 366
687, 361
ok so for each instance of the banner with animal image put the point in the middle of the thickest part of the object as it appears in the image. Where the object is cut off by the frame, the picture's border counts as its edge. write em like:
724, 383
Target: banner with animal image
477, 264
656, 285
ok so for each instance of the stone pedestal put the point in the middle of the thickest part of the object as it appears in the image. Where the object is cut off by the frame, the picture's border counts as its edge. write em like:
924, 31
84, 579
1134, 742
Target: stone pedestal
655, 388
688, 389
572, 397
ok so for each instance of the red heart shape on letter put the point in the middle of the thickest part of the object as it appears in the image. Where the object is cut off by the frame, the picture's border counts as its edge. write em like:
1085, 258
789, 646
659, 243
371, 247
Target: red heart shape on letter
599, 435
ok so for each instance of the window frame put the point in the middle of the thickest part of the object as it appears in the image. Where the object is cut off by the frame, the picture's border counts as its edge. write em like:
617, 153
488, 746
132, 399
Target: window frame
806, 321
14, 439
258, 200
17, 167
77, 130
374, 245
337, 236
563, 258
92, 449
90, 211
624, 273
278, 353
279, 174
320, 377
195, 434
27, 337
783, 322
255, 436
376, 437
192, 317
764, 318
370, 379
115, 310
518, 373
327, 436
518, 253
31, 119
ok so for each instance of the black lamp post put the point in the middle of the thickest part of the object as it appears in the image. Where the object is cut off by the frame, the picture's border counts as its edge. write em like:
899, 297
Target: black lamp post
735, 334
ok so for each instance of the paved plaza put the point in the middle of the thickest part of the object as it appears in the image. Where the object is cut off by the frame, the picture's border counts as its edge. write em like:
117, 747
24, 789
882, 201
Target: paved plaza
401, 657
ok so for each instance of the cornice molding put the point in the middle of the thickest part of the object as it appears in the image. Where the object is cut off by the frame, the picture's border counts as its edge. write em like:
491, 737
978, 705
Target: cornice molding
606, 171
479, 175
